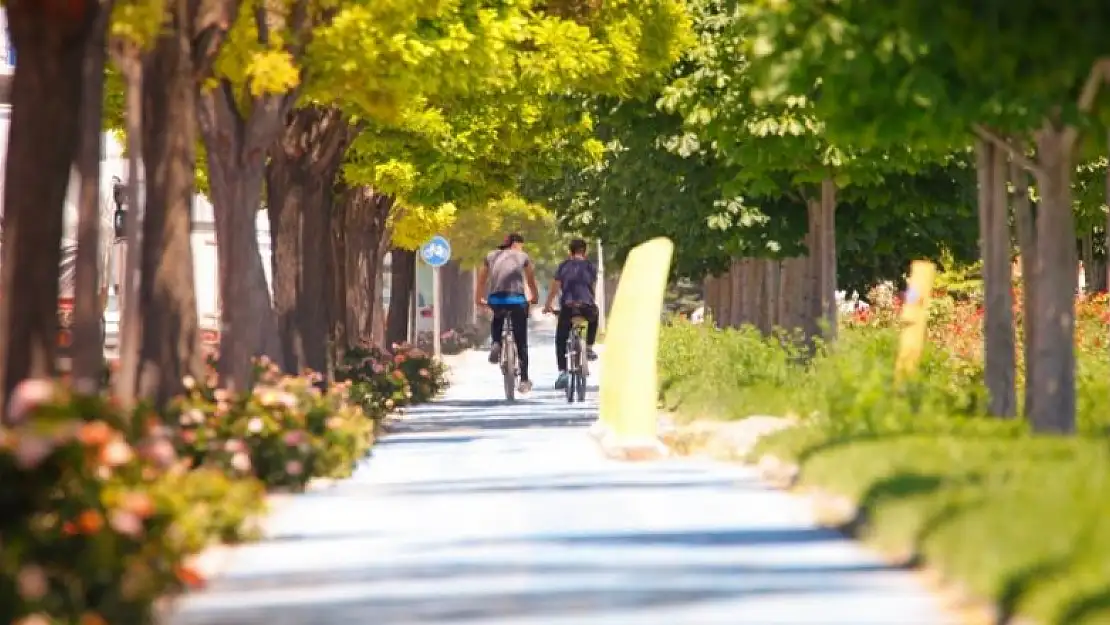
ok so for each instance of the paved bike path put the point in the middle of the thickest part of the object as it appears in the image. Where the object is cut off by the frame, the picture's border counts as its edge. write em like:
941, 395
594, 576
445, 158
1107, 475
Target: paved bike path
487, 513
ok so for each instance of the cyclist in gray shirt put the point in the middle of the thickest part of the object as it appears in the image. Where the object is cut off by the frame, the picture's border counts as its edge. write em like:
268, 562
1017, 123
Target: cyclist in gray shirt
502, 276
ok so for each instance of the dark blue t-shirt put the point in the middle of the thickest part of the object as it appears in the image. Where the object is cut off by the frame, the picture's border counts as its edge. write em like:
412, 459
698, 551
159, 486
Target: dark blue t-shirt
577, 277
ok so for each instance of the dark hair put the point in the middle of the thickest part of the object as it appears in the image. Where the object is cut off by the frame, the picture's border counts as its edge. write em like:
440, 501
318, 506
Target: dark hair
578, 246
512, 237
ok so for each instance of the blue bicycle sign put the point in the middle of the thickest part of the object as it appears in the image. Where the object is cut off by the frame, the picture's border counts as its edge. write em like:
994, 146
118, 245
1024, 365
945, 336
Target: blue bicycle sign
436, 252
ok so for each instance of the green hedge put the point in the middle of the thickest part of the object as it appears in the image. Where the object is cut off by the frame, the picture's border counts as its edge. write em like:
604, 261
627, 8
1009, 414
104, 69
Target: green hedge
1015, 518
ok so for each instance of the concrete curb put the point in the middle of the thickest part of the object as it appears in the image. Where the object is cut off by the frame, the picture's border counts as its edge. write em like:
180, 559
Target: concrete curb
627, 449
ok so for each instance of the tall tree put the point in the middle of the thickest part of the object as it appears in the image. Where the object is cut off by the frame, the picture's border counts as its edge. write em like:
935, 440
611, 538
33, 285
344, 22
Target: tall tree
990, 70
50, 38
88, 340
181, 56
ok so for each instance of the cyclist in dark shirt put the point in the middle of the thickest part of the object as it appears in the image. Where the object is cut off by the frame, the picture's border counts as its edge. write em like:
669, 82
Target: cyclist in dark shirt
574, 282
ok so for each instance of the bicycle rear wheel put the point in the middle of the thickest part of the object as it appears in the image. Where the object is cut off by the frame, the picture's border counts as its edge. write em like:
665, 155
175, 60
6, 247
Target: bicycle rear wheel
508, 366
571, 377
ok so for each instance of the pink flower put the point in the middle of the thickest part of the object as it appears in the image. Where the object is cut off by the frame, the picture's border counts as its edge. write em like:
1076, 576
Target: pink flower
31, 450
234, 445
293, 438
32, 582
424, 373
377, 368
241, 462
126, 523
294, 467
160, 452
28, 395
116, 453
192, 416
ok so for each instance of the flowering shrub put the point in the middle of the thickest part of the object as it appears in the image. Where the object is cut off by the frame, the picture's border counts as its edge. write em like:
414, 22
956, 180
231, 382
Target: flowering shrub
375, 382
285, 432
97, 514
381, 381
455, 341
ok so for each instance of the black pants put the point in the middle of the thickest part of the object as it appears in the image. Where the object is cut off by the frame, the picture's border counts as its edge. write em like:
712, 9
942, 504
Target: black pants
518, 313
562, 330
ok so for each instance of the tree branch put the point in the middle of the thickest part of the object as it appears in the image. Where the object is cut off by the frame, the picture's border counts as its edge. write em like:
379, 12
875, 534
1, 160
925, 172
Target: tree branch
1100, 71
336, 134
1016, 154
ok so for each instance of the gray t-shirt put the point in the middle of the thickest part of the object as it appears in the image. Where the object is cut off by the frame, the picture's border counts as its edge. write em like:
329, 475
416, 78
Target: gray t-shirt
506, 271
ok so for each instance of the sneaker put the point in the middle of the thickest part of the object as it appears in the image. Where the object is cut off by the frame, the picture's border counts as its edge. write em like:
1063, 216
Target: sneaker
525, 386
561, 381
591, 354
495, 353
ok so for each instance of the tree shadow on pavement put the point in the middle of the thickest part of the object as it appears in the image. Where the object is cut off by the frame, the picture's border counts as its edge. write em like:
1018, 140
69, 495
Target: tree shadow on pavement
386, 593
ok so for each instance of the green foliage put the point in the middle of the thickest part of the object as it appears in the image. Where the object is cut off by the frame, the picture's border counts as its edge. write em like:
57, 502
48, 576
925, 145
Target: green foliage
481, 104
1009, 516
725, 172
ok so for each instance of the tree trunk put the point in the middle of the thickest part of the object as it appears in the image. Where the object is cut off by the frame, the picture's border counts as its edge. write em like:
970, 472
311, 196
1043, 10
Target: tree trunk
456, 294
376, 328
1106, 230
335, 210
236, 145
828, 258
367, 234
88, 338
1027, 244
1096, 277
170, 347
44, 131
126, 379
286, 192
820, 299
994, 241
1053, 379
299, 177
402, 282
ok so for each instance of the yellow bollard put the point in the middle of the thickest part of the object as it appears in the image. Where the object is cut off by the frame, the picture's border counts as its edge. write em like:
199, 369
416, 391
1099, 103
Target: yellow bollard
628, 419
915, 317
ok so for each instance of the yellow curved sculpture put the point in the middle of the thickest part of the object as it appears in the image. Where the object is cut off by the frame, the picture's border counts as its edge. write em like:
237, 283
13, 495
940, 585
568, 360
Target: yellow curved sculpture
627, 423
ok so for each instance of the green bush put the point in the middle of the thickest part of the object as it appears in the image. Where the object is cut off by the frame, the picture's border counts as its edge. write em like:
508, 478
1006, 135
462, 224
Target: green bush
1010, 516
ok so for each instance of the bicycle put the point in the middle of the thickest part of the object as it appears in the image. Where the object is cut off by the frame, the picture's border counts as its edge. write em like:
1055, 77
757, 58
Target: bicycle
577, 358
578, 368
510, 368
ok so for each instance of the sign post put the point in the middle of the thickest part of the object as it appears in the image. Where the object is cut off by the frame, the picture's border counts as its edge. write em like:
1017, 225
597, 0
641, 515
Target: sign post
436, 253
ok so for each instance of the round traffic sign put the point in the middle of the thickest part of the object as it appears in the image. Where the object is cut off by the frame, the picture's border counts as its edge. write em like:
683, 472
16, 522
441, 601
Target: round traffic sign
436, 252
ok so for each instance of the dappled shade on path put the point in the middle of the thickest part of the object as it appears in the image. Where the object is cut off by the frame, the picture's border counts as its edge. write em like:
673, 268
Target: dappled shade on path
480, 512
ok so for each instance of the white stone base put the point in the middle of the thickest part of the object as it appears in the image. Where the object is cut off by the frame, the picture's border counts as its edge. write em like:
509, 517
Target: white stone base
619, 448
